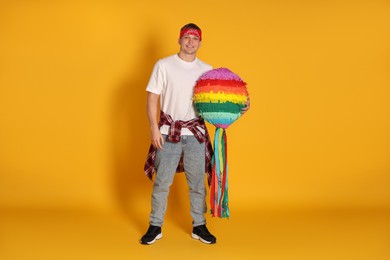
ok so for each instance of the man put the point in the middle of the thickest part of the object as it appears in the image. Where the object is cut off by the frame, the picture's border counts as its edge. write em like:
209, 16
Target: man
180, 138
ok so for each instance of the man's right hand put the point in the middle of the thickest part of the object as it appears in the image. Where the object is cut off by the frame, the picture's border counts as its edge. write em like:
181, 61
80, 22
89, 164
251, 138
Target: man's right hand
157, 139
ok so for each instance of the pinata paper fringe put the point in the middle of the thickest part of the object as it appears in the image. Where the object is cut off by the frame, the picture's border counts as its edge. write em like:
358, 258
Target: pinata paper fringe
219, 202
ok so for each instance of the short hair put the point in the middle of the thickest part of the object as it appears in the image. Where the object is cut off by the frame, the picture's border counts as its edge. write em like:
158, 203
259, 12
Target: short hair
190, 26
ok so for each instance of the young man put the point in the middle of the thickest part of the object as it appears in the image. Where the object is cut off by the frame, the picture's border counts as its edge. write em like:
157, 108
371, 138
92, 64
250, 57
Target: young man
180, 138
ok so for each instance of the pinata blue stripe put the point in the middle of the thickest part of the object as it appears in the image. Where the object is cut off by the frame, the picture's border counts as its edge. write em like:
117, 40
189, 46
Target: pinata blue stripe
220, 117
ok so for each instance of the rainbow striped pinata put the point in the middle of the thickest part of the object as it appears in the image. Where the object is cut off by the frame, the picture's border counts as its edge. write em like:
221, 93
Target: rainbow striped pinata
219, 97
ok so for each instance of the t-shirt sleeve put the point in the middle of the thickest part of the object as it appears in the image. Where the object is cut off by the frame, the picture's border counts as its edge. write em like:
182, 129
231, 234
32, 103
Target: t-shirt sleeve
156, 81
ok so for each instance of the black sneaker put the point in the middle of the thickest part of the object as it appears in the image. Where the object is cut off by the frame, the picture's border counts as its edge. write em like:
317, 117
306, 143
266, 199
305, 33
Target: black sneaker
151, 235
202, 233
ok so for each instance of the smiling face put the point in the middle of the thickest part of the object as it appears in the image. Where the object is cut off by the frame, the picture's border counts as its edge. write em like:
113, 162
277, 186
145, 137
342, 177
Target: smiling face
189, 44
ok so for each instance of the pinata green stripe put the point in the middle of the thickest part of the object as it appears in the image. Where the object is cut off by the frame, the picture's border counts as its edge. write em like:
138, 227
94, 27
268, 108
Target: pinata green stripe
220, 107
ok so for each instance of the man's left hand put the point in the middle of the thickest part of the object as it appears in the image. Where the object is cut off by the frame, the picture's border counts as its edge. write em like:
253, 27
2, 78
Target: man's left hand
247, 106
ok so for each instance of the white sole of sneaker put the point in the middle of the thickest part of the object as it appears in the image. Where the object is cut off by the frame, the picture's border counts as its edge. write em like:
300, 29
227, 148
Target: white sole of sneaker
159, 236
195, 236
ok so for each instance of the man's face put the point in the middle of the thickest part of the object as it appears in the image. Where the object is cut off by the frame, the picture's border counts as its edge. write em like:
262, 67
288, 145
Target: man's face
189, 44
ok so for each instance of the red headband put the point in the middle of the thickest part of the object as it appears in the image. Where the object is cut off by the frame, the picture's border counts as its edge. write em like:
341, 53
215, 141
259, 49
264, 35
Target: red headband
191, 31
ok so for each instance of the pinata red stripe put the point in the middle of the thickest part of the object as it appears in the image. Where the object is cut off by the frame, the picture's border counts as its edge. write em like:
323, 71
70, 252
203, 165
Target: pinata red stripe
223, 82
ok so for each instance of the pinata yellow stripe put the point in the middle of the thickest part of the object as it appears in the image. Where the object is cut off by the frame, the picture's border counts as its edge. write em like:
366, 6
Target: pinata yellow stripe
219, 88
220, 98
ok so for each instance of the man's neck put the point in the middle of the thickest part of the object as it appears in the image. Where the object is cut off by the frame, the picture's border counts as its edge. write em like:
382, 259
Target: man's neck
187, 57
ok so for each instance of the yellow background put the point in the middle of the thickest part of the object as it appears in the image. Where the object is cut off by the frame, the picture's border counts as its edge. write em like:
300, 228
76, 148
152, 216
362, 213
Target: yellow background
73, 126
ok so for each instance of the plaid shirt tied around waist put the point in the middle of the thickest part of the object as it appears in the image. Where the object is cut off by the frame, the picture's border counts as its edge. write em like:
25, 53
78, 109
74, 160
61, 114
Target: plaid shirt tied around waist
174, 136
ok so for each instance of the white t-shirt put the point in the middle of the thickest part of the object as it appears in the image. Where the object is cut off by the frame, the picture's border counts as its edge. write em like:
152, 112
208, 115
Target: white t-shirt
174, 80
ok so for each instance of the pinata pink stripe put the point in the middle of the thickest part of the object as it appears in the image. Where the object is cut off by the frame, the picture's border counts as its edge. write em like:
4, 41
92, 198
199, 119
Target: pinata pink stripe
220, 73
224, 126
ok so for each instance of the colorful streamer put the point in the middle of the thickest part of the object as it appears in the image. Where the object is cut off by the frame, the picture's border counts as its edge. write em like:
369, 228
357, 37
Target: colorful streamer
219, 178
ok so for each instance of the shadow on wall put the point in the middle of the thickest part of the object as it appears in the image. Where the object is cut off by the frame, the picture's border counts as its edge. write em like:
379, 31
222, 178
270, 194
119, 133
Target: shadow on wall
130, 139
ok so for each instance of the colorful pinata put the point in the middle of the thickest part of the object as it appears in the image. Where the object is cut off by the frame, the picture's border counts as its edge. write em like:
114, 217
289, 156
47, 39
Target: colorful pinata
219, 97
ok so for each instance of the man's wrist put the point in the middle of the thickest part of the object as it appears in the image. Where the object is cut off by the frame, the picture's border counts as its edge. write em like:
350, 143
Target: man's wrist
154, 128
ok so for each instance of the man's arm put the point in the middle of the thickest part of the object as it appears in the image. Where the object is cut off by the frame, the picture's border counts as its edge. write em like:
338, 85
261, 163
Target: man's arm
152, 108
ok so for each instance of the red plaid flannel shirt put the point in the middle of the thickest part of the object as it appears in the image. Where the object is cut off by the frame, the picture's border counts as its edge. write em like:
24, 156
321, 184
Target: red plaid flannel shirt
174, 136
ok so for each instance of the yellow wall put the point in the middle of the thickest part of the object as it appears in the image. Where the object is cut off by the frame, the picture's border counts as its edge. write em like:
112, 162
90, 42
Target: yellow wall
73, 128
